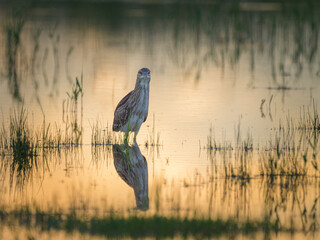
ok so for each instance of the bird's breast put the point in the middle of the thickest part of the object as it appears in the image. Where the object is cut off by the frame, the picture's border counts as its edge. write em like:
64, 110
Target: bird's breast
143, 102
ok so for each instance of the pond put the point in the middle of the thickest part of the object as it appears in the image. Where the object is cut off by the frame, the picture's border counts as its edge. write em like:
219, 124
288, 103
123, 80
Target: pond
233, 125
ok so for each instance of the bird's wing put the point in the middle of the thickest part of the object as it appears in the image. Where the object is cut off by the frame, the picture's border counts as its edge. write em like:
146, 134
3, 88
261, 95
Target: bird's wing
122, 112
145, 117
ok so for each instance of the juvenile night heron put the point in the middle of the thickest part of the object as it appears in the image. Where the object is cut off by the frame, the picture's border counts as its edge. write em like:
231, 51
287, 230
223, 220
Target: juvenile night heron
132, 110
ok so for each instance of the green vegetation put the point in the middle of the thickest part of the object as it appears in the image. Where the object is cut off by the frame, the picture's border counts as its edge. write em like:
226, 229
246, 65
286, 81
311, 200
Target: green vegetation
24, 148
153, 138
18, 145
19, 139
134, 226
281, 168
73, 126
23, 141
104, 136
236, 156
292, 150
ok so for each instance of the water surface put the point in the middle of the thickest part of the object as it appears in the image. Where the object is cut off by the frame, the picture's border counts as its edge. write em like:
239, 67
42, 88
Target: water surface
237, 70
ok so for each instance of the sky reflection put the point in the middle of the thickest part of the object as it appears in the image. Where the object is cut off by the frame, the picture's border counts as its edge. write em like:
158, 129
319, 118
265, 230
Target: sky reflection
214, 66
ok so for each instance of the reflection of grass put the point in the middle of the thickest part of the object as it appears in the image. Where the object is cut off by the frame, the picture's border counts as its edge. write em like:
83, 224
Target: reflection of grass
22, 140
292, 150
21, 144
238, 166
221, 34
134, 226
17, 140
13, 32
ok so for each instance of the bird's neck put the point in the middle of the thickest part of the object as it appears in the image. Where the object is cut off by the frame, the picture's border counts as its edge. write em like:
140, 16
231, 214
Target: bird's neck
141, 85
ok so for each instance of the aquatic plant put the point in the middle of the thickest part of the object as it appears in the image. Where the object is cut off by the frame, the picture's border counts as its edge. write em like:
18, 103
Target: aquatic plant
153, 138
309, 121
292, 150
73, 126
104, 136
18, 147
20, 140
235, 156
134, 226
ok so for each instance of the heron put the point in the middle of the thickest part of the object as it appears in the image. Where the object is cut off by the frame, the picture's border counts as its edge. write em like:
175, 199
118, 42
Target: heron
133, 109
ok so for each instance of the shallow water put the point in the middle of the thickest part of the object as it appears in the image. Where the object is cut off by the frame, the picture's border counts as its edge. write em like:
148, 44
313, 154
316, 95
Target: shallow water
210, 68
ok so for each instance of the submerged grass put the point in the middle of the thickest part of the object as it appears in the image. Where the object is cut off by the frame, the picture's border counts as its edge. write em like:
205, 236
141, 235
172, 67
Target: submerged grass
153, 139
21, 143
101, 136
235, 156
73, 126
134, 226
292, 150
20, 139
309, 121
104, 136
18, 143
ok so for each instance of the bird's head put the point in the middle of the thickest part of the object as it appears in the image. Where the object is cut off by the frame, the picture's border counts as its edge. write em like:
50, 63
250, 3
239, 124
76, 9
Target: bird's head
143, 77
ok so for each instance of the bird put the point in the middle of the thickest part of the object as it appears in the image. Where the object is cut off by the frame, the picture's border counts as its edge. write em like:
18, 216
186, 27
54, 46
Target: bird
133, 109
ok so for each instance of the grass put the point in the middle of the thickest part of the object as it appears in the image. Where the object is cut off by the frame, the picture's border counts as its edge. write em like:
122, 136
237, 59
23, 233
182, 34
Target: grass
235, 156
19, 144
23, 142
287, 160
23, 149
73, 126
309, 121
153, 139
104, 136
291, 151
101, 136
20, 139
134, 226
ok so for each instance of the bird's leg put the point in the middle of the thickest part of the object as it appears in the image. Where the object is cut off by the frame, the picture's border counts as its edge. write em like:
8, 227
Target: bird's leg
126, 136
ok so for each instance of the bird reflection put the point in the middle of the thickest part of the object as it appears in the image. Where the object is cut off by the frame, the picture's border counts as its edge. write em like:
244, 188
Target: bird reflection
132, 167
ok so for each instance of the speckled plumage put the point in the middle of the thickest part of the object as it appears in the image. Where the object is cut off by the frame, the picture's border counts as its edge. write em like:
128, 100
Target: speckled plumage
132, 110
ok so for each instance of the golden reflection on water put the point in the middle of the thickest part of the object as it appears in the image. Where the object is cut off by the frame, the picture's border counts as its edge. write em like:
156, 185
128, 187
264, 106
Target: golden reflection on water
197, 81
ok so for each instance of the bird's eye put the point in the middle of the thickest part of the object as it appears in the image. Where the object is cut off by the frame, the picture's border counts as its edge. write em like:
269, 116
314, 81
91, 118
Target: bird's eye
140, 73
148, 73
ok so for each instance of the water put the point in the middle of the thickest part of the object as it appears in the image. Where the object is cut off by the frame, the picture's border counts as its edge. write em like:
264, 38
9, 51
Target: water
211, 65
